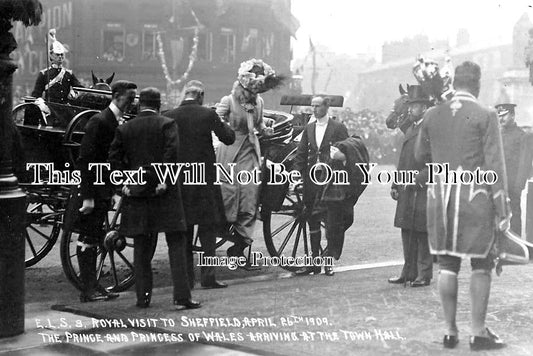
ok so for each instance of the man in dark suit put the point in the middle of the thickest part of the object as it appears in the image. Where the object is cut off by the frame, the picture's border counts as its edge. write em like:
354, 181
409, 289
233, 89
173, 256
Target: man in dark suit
314, 147
411, 208
202, 203
99, 133
155, 206
462, 218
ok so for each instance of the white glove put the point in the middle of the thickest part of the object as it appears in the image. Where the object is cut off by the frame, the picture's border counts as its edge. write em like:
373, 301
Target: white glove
44, 108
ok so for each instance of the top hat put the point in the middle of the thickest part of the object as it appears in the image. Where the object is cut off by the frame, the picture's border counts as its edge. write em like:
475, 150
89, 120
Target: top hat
415, 94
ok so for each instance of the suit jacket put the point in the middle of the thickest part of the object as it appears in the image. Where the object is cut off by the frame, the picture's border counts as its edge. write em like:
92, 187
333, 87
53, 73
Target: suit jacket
148, 138
411, 205
466, 135
99, 133
202, 203
309, 153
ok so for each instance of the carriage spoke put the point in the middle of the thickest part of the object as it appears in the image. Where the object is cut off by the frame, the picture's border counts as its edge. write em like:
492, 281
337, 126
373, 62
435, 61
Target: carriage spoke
282, 227
113, 269
30, 243
287, 239
128, 263
306, 247
39, 232
297, 240
100, 266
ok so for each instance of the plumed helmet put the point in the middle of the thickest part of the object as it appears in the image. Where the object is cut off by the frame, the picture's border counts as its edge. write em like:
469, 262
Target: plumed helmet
54, 45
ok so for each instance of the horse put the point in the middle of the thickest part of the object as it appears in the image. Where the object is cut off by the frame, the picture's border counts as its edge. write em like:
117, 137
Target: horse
398, 117
102, 84
96, 101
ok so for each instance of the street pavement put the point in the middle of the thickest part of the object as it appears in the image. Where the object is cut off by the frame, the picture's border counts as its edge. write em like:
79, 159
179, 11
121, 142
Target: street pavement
355, 312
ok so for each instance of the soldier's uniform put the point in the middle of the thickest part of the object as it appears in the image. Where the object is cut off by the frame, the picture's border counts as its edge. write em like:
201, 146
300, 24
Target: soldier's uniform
54, 84
514, 141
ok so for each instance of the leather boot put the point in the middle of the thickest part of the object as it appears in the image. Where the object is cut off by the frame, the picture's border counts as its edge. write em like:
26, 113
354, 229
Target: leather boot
87, 263
315, 250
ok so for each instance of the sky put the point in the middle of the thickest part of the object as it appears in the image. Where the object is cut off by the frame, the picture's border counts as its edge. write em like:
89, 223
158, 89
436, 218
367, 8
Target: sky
354, 26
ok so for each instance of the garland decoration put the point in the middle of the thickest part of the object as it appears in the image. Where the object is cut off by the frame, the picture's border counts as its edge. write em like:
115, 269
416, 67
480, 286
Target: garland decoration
192, 56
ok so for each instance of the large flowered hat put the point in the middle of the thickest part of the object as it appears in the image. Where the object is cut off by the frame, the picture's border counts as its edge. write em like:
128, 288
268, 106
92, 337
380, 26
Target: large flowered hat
258, 77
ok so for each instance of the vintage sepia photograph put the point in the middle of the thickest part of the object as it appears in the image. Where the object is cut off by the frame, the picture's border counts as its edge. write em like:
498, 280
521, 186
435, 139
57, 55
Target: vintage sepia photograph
266, 177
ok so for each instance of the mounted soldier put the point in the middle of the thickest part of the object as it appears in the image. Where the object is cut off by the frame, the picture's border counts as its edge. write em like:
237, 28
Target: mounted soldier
55, 81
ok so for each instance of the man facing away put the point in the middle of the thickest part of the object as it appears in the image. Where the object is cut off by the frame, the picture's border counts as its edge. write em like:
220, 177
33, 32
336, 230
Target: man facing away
155, 206
203, 204
461, 217
95, 199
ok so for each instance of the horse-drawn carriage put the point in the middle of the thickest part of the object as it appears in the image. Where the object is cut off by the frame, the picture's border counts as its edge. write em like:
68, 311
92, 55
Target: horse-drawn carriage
56, 137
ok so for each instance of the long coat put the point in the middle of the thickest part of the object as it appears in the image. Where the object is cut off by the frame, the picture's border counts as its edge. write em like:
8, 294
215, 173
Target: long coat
240, 199
514, 145
411, 206
308, 153
461, 217
149, 138
202, 203
99, 132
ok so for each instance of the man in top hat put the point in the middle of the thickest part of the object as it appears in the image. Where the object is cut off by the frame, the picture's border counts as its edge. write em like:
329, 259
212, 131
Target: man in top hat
514, 150
155, 206
411, 207
55, 81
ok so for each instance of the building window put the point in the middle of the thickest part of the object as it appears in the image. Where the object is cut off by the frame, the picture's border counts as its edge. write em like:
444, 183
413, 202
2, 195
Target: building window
268, 48
205, 46
113, 37
227, 42
250, 43
149, 42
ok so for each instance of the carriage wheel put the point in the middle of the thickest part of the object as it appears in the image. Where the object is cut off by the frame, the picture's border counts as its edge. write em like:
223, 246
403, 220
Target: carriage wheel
114, 265
43, 224
74, 133
286, 231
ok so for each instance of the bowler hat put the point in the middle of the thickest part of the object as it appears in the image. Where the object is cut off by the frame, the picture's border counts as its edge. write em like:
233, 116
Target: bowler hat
415, 94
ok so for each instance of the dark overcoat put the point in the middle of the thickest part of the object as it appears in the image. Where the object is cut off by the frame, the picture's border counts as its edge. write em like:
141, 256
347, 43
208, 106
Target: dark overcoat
99, 132
203, 204
461, 217
411, 205
149, 138
514, 146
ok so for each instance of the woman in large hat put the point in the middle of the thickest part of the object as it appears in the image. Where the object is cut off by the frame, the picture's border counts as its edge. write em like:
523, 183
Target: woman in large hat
243, 109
